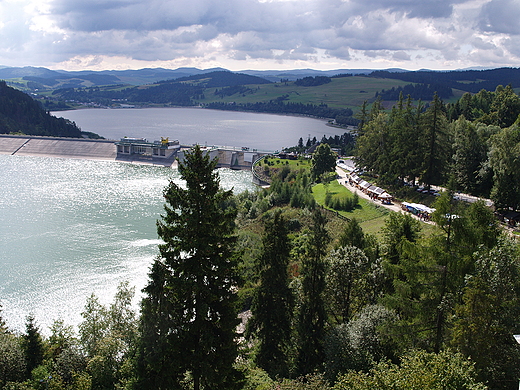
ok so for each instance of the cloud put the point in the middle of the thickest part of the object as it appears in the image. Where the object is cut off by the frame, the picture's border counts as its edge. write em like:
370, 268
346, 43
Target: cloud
401, 56
234, 33
501, 16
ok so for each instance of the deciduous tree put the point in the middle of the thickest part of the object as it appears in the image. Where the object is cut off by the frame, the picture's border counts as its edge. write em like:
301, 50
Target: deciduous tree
487, 317
346, 281
12, 359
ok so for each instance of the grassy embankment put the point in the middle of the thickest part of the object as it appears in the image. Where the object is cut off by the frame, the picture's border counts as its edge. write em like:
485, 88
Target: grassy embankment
370, 215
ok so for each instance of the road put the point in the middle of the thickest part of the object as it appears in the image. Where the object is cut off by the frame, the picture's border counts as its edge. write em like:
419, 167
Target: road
394, 206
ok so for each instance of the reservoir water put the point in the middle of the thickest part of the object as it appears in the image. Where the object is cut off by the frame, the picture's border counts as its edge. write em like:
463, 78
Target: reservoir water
202, 126
70, 228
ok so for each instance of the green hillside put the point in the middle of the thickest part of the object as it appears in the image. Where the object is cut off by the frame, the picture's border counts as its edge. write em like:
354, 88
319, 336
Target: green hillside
19, 113
321, 95
343, 92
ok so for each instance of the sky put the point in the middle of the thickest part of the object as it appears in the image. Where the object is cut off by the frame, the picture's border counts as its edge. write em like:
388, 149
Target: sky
260, 34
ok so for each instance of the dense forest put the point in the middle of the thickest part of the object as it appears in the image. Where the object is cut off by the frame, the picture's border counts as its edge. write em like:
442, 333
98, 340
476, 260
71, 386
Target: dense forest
278, 106
417, 92
468, 146
465, 80
312, 81
19, 113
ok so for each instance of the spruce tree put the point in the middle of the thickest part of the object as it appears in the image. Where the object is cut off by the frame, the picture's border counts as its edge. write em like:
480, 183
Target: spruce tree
188, 322
273, 300
323, 161
33, 345
436, 143
352, 235
311, 322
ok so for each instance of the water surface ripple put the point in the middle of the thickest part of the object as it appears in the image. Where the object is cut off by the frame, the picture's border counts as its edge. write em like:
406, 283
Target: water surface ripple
70, 228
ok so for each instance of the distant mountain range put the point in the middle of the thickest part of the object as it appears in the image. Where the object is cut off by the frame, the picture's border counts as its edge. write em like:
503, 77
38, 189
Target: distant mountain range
302, 91
86, 78
43, 78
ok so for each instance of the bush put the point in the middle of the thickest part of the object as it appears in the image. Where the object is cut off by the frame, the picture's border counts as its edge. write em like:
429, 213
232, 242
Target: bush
308, 382
418, 370
12, 360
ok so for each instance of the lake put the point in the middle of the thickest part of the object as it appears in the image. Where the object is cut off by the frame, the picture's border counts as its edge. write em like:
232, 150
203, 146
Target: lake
70, 228
196, 125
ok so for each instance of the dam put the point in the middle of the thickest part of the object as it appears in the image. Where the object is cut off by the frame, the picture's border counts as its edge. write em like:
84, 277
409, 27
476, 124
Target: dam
131, 150
23, 145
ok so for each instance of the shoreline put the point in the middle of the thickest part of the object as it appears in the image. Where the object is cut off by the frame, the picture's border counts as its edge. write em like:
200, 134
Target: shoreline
325, 120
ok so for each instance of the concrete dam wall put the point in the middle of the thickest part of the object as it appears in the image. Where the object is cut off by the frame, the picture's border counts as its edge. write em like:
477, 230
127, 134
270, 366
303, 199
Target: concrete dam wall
57, 147
22, 145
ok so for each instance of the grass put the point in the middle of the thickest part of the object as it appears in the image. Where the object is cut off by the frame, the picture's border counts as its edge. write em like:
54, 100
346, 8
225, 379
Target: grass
370, 215
344, 92
293, 164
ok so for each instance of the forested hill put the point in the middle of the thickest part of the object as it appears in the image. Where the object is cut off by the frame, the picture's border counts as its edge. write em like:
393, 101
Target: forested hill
19, 113
220, 79
184, 91
466, 80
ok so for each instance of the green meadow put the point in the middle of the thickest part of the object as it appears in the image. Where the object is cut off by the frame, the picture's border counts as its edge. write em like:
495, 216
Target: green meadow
343, 92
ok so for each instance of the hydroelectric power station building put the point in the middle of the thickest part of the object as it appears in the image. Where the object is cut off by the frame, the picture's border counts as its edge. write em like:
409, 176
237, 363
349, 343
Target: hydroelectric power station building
164, 148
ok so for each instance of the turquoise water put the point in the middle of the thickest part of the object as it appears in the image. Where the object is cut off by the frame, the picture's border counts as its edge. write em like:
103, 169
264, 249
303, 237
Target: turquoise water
70, 228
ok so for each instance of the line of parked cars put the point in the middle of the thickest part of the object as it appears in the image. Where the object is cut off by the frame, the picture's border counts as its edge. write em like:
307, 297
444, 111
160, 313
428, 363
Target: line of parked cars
424, 190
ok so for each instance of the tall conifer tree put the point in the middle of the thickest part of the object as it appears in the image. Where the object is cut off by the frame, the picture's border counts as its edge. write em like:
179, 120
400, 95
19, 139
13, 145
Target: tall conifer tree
188, 319
3, 326
436, 143
273, 301
33, 345
311, 326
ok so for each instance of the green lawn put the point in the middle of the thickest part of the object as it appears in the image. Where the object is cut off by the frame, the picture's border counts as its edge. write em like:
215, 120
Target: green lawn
276, 164
370, 215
